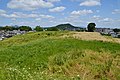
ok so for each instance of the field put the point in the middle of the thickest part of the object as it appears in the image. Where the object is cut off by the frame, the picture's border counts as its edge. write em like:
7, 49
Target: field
60, 56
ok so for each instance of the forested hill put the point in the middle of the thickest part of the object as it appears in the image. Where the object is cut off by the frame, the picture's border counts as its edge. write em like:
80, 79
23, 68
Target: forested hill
67, 26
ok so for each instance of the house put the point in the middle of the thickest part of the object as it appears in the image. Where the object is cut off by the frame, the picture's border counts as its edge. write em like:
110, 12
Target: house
1, 36
114, 35
16, 32
108, 31
104, 30
1, 39
118, 34
99, 30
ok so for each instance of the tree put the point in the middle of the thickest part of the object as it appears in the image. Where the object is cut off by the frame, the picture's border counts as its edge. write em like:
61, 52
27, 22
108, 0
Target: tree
38, 28
1, 28
25, 28
8, 28
91, 27
116, 30
52, 29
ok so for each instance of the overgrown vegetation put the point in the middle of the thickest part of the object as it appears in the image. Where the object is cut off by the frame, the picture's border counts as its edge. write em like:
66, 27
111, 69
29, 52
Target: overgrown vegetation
48, 56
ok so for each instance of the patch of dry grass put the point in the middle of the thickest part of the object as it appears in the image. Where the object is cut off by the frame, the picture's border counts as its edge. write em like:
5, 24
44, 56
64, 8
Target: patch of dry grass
88, 65
92, 36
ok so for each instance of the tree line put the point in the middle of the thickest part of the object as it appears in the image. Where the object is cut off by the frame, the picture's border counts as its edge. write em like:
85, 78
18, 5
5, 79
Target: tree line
90, 28
11, 28
26, 28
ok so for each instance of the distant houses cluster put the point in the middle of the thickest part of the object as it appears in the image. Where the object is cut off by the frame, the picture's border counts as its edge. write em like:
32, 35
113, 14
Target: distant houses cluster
8, 34
108, 31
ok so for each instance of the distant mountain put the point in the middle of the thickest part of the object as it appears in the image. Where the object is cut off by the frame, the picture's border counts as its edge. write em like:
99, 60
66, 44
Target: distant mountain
68, 27
62, 26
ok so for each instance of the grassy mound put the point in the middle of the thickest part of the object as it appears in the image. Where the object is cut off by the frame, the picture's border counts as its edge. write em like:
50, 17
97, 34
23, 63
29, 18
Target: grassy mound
47, 56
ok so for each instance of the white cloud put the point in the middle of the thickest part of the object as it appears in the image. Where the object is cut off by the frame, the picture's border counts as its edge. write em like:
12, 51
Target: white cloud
13, 19
57, 9
107, 20
96, 17
46, 16
23, 15
53, 0
75, 18
116, 11
2, 11
29, 4
103, 20
90, 3
81, 12
19, 15
38, 19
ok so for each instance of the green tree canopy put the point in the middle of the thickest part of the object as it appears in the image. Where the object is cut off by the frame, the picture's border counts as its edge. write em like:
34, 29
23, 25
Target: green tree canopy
91, 27
25, 28
8, 28
52, 29
38, 28
1, 28
116, 30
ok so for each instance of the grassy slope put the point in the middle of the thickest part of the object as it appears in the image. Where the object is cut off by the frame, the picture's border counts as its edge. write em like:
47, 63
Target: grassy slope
47, 55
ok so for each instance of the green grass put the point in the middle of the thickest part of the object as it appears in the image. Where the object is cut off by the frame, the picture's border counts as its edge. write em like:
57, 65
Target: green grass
47, 56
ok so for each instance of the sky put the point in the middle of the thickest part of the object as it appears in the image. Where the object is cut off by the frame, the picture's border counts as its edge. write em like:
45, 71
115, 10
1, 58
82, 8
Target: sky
47, 13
